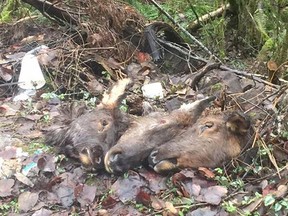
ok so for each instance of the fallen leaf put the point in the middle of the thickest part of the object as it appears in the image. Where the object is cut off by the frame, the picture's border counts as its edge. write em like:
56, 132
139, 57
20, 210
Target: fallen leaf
126, 189
46, 163
144, 198
27, 200
268, 190
66, 195
189, 189
7, 110
212, 195
157, 204
42, 212
156, 182
9, 167
143, 57
206, 211
109, 202
6, 187
34, 134
8, 153
15, 56
34, 117
170, 207
281, 191
177, 178
95, 87
22, 178
32, 38
46, 56
121, 209
87, 195
50, 198
78, 190
206, 172
6, 73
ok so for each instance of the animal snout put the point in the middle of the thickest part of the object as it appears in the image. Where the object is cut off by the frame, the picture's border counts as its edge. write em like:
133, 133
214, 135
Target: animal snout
161, 165
152, 158
92, 157
113, 161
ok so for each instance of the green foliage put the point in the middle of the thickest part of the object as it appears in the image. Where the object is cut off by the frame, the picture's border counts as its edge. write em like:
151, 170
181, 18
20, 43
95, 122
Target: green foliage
36, 147
263, 25
124, 107
213, 35
176, 8
86, 97
11, 9
145, 9
269, 200
229, 207
6, 208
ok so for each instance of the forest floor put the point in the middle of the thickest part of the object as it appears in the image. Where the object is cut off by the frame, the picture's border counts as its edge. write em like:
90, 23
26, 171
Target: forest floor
36, 180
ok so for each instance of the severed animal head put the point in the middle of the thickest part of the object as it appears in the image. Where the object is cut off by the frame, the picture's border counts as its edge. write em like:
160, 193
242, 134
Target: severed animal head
146, 133
212, 140
89, 135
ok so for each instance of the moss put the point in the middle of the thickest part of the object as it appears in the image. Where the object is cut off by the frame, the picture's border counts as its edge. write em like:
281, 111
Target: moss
216, 87
7, 10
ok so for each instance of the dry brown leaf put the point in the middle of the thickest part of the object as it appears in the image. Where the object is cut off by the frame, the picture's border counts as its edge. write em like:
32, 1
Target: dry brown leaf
157, 204
206, 172
22, 178
27, 200
6, 187
281, 191
170, 207
6, 73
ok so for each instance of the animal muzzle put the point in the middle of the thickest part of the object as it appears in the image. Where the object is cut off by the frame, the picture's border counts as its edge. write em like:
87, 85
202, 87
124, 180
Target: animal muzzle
161, 166
92, 158
114, 162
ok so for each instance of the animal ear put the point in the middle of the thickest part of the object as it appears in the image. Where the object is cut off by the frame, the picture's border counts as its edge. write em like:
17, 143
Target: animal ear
238, 123
103, 125
113, 98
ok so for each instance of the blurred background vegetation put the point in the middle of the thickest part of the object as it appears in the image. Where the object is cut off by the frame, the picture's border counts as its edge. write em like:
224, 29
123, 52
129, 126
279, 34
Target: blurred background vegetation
252, 30
249, 32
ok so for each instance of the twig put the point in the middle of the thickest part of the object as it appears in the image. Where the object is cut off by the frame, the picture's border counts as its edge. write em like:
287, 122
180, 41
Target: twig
52, 12
208, 67
183, 30
184, 51
248, 75
279, 91
204, 19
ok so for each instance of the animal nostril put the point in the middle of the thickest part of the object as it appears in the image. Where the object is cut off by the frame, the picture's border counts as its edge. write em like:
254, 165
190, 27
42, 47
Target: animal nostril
114, 157
98, 160
152, 157
154, 153
113, 161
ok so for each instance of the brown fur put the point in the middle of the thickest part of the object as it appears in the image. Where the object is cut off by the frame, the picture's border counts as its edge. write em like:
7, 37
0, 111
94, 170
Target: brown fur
146, 133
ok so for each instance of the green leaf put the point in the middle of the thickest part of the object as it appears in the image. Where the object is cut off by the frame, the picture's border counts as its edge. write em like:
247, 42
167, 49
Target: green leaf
277, 207
269, 200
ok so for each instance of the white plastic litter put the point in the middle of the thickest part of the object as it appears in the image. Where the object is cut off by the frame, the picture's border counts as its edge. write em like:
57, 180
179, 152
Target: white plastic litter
153, 90
31, 76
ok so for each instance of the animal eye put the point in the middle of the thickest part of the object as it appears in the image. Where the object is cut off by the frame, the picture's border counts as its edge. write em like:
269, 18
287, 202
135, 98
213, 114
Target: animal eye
104, 122
209, 124
206, 126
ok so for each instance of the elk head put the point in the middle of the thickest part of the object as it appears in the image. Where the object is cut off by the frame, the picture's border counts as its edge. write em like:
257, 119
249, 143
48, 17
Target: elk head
212, 140
89, 136
146, 133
